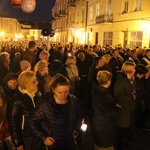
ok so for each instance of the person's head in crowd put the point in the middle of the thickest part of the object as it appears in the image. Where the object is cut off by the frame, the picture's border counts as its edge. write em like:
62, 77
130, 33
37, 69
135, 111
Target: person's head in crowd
25, 65
86, 47
104, 78
128, 68
44, 55
134, 53
115, 52
141, 70
11, 81
42, 67
147, 52
98, 62
18, 56
71, 60
5, 60
81, 56
57, 55
32, 46
107, 58
27, 81
60, 86
61, 49
44, 47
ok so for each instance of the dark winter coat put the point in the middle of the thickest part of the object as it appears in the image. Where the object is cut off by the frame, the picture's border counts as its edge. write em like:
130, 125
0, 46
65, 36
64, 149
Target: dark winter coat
21, 106
56, 67
123, 92
48, 120
104, 117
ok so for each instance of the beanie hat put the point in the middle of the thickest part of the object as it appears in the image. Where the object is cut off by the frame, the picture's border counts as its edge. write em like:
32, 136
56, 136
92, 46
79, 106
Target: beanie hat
24, 65
141, 69
10, 76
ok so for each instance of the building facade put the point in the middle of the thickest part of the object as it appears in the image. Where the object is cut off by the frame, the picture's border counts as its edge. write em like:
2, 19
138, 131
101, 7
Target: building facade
10, 29
103, 22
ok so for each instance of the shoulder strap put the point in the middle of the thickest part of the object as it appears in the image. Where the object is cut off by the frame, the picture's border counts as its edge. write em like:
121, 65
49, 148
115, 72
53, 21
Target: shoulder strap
146, 60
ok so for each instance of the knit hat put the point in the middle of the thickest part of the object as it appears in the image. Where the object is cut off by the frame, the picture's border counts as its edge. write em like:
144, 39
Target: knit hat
141, 69
24, 65
10, 76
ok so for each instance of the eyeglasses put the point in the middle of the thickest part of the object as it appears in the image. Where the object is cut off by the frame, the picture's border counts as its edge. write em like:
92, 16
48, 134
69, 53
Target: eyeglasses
41, 66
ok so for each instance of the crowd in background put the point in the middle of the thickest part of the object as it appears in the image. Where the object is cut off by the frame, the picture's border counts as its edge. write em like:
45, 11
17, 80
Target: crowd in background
107, 86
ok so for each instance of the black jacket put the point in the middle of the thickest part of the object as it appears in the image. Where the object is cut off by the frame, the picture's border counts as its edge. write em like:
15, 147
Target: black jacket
21, 106
104, 117
48, 119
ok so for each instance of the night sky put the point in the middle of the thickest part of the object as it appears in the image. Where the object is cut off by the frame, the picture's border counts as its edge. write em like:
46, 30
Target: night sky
42, 12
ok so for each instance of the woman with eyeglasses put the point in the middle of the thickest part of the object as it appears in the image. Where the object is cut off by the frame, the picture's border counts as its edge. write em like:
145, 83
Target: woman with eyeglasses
43, 77
54, 120
21, 106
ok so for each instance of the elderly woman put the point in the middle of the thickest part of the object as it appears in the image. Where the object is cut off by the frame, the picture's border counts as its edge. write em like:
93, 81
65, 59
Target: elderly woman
104, 118
43, 77
23, 102
54, 120
73, 75
124, 92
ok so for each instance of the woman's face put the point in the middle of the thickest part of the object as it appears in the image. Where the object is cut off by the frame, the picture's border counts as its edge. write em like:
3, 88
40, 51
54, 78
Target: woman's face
42, 69
31, 86
60, 93
101, 63
12, 84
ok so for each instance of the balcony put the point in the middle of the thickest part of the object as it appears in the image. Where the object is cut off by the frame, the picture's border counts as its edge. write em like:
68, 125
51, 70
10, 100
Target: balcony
62, 13
71, 4
104, 19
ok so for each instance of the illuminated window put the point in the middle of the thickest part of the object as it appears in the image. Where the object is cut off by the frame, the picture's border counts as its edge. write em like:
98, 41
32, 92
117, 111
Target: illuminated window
138, 5
109, 7
77, 21
108, 36
91, 13
82, 19
126, 7
11, 28
136, 38
97, 9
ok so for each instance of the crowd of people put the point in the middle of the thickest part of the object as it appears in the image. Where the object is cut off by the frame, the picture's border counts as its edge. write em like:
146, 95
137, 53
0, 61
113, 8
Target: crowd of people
46, 95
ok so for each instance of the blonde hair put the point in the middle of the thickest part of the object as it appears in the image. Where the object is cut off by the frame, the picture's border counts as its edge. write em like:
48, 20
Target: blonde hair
127, 67
103, 77
70, 60
24, 78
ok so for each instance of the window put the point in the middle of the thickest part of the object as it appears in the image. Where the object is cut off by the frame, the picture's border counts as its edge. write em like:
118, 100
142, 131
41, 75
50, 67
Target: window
91, 13
97, 9
11, 27
126, 7
136, 38
108, 36
138, 5
82, 19
77, 21
109, 7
